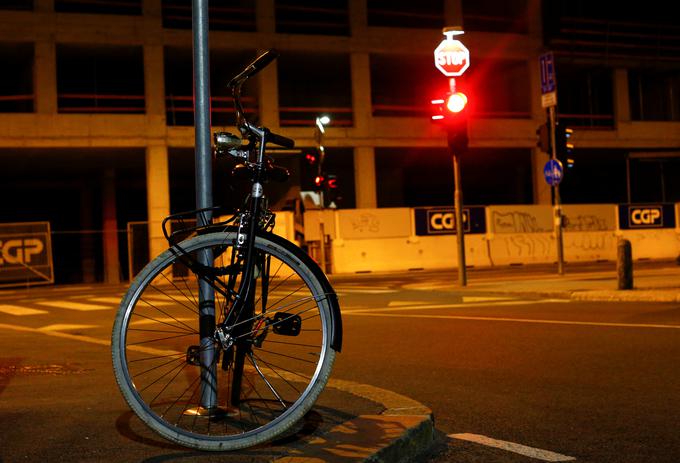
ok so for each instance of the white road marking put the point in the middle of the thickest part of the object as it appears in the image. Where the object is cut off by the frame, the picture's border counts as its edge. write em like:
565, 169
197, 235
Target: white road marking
369, 313
455, 305
20, 311
405, 303
487, 298
366, 291
107, 300
70, 305
65, 327
532, 452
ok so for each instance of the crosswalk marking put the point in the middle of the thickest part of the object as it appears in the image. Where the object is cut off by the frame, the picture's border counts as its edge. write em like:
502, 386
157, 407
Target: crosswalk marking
70, 305
65, 327
19, 310
405, 303
487, 298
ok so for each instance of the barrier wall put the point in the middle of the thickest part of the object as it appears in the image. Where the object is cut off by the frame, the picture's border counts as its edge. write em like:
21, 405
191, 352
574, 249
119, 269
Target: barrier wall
391, 239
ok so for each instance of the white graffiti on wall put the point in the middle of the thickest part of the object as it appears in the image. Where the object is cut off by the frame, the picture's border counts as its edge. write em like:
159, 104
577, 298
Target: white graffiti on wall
586, 222
528, 246
366, 223
515, 222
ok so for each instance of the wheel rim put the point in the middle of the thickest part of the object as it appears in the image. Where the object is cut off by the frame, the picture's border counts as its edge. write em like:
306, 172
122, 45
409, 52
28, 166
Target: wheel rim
281, 366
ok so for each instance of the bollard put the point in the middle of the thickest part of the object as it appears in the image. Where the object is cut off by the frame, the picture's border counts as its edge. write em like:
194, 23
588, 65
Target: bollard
624, 264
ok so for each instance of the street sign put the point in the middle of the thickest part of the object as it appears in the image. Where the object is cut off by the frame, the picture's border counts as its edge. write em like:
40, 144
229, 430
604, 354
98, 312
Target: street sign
451, 57
548, 80
553, 172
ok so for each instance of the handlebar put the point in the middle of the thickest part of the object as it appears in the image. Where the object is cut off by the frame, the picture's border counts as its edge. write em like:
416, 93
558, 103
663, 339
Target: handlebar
253, 68
280, 140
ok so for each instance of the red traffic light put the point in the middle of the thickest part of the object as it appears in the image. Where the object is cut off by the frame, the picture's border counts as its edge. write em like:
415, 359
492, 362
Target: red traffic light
456, 102
318, 180
310, 158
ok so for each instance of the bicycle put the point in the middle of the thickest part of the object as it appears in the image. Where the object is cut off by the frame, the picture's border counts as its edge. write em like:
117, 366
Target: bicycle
226, 339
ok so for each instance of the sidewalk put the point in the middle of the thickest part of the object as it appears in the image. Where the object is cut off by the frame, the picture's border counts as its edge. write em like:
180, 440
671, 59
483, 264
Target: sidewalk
661, 283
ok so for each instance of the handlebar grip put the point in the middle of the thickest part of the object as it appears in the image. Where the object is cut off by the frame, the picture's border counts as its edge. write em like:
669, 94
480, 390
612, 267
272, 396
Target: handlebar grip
280, 140
253, 68
264, 59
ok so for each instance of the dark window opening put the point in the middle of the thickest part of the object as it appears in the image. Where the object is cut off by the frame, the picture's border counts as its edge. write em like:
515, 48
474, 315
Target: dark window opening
314, 84
598, 176
102, 79
654, 95
585, 97
25, 5
65, 187
223, 15
494, 16
130, 7
403, 86
330, 17
424, 14
498, 88
16, 80
412, 177
179, 90
653, 179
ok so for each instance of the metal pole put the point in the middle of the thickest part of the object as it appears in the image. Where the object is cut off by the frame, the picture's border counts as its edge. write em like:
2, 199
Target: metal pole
556, 199
460, 232
206, 293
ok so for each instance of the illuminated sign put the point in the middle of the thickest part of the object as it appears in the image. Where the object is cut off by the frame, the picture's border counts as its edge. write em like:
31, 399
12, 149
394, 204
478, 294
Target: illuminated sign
442, 220
451, 57
646, 216
25, 253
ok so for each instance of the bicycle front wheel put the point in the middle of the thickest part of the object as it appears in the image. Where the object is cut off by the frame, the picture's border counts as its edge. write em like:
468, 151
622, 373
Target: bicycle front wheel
264, 371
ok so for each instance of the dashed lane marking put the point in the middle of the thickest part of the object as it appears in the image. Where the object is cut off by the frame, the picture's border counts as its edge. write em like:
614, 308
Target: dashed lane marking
70, 305
532, 452
19, 310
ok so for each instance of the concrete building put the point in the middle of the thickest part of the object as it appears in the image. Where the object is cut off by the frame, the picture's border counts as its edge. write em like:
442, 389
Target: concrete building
95, 109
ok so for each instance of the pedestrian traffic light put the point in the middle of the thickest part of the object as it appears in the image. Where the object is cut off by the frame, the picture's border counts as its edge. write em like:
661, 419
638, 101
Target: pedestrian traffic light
543, 138
452, 113
563, 144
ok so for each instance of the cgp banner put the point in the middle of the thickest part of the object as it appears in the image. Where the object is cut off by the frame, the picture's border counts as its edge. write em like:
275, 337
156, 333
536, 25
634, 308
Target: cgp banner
442, 220
634, 216
25, 254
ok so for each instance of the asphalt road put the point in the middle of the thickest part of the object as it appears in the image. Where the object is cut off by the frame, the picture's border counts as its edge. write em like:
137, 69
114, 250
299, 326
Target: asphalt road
505, 377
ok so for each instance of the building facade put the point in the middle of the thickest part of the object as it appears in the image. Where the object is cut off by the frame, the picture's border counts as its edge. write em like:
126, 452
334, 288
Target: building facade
96, 106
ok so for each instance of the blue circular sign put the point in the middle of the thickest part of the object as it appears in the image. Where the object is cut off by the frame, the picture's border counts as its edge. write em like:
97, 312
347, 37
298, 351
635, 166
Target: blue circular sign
553, 172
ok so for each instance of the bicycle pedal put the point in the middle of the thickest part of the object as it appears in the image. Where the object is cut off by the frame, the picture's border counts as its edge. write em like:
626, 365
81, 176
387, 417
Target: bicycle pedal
287, 324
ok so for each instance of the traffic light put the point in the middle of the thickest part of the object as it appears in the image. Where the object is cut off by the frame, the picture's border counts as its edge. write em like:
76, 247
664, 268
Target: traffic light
452, 113
543, 138
564, 147
311, 177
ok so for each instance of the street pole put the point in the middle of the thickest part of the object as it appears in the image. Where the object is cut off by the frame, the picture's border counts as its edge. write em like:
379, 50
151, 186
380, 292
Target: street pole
460, 232
203, 156
557, 208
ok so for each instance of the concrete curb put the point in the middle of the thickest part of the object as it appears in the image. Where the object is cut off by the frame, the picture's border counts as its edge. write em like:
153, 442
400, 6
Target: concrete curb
404, 430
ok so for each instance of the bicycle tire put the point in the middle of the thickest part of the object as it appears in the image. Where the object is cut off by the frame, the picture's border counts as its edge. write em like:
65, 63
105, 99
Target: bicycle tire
154, 329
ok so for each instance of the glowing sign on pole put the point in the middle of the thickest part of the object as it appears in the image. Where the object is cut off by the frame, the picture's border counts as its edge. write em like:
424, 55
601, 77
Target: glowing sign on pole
451, 57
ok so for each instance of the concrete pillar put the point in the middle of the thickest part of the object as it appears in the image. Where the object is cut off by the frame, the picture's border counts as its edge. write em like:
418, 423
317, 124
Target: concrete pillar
45, 77
364, 177
154, 81
361, 92
86, 237
157, 196
357, 17
453, 13
621, 96
541, 188
268, 96
152, 8
44, 6
265, 16
110, 226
